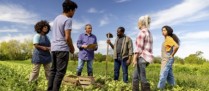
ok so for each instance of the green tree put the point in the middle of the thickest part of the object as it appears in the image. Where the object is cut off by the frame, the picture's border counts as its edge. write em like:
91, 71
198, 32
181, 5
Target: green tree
99, 57
157, 60
179, 60
195, 58
15, 50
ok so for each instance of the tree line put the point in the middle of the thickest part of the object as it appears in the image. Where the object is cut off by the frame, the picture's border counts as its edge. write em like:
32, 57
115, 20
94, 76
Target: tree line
16, 50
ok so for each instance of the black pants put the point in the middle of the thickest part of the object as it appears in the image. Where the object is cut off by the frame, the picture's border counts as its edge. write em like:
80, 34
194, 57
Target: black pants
58, 69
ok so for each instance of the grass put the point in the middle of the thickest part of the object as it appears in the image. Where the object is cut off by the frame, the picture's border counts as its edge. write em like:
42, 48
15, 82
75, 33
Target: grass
14, 77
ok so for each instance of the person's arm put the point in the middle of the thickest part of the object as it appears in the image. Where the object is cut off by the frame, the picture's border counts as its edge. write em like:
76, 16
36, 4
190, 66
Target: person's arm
109, 42
69, 40
139, 47
80, 42
175, 49
169, 42
130, 51
36, 39
96, 44
41, 47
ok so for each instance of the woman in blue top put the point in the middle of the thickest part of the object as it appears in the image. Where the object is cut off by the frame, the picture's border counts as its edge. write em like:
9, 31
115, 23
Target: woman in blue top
41, 53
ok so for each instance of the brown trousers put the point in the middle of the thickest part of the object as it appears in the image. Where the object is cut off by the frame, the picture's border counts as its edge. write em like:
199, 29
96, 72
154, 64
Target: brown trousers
35, 71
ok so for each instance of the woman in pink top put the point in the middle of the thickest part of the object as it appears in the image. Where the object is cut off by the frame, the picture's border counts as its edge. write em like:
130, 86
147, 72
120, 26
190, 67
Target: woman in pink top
142, 54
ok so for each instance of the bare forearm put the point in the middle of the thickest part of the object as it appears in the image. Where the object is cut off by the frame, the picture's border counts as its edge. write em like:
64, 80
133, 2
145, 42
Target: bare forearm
70, 42
45, 48
112, 46
130, 57
175, 49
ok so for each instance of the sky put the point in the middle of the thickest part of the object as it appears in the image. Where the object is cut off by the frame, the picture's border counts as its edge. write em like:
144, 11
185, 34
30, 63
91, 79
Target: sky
188, 18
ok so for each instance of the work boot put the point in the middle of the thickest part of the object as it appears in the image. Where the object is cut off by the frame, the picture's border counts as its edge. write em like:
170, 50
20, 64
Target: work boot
145, 86
90, 74
78, 73
135, 86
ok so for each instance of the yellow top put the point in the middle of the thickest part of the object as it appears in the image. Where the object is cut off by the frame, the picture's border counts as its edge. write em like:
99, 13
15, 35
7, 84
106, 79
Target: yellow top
169, 42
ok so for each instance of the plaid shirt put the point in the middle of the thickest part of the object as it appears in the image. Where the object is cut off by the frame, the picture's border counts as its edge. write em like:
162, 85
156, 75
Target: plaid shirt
144, 43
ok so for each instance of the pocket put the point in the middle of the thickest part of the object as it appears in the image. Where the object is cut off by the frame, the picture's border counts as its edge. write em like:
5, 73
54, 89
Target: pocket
171, 60
63, 54
141, 60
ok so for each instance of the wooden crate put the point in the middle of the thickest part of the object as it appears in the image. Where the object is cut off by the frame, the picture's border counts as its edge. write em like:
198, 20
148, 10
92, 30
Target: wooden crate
78, 80
86, 81
71, 80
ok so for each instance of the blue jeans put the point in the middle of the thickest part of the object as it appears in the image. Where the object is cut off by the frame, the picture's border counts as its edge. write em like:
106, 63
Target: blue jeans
117, 63
166, 74
139, 72
81, 64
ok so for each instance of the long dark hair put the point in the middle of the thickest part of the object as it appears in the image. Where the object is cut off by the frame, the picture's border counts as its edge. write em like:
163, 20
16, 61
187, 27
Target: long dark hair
170, 33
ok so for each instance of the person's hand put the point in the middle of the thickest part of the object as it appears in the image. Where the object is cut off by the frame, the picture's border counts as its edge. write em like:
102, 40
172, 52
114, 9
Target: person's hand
44, 48
171, 56
48, 48
72, 50
134, 62
84, 46
128, 62
108, 41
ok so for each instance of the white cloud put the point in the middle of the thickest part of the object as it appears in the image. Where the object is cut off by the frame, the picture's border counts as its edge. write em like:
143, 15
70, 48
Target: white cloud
51, 23
17, 14
79, 25
104, 21
187, 48
19, 37
94, 10
195, 35
102, 47
187, 11
121, 1
8, 30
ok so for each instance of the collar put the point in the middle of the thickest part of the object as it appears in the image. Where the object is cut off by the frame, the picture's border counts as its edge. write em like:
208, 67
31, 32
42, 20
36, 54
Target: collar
144, 29
121, 36
89, 34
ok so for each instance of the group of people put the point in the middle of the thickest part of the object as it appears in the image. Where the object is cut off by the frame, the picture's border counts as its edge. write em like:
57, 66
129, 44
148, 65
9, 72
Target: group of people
54, 55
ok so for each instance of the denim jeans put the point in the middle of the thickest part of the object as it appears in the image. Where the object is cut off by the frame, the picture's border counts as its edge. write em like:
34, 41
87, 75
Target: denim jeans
81, 64
117, 63
139, 72
58, 69
166, 74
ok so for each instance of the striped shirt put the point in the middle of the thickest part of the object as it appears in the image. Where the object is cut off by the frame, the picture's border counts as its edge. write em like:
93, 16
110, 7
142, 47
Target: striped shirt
144, 42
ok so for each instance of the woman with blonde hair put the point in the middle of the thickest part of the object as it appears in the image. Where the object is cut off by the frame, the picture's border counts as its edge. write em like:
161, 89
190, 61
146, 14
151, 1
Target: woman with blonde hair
142, 54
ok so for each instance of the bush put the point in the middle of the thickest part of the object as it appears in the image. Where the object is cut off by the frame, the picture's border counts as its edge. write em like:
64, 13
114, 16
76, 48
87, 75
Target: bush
195, 58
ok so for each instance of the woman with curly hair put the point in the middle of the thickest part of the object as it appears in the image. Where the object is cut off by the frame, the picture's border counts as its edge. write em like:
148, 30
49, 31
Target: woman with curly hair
41, 52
